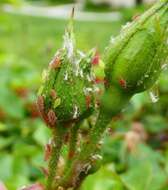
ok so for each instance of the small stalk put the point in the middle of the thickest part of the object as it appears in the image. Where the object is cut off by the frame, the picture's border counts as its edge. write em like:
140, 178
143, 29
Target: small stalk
71, 177
57, 143
72, 145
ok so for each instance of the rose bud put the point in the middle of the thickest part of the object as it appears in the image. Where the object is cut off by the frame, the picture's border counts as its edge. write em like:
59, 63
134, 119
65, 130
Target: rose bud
134, 60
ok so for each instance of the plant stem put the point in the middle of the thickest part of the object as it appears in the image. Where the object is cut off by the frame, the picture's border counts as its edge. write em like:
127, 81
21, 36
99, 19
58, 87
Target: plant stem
72, 144
71, 177
58, 134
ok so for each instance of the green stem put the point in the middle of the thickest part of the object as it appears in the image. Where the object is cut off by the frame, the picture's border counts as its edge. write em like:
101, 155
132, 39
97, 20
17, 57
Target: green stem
72, 145
95, 136
58, 134
87, 150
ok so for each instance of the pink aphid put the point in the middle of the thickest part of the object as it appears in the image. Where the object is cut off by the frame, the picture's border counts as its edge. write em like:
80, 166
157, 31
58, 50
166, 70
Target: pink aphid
88, 101
53, 94
71, 154
55, 63
96, 59
123, 83
47, 152
51, 118
99, 80
40, 104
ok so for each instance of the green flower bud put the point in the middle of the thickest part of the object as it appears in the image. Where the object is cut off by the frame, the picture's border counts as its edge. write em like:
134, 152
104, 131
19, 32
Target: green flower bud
135, 58
67, 92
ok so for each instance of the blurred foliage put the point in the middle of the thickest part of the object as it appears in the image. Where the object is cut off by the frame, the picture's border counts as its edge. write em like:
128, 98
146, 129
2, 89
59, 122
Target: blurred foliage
135, 149
14, 2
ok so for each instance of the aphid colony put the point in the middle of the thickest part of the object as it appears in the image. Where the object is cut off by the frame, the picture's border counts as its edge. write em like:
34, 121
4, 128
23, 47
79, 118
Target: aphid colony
69, 85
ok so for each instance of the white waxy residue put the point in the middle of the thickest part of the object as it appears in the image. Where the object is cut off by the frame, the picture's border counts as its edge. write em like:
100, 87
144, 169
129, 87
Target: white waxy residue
87, 167
69, 45
154, 94
126, 26
96, 89
153, 97
112, 40
76, 112
87, 90
81, 73
76, 67
97, 157
81, 53
66, 76
88, 78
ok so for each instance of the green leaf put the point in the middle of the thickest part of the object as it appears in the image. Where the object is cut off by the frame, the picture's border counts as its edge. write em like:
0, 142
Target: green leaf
104, 179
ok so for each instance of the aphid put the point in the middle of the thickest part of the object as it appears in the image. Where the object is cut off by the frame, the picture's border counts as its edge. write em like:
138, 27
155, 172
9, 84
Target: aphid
99, 80
136, 17
40, 104
88, 101
51, 117
55, 63
53, 94
123, 83
96, 59
47, 152
71, 154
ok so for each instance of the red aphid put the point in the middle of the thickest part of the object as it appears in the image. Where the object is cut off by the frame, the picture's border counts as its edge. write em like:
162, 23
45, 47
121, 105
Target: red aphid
88, 101
47, 152
41, 108
51, 117
32, 109
55, 63
96, 59
123, 83
71, 154
53, 94
66, 138
99, 80
136, 17
40, 104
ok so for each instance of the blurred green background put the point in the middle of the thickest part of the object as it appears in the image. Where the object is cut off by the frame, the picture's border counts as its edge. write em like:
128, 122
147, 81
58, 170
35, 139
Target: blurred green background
135, 150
